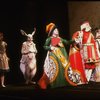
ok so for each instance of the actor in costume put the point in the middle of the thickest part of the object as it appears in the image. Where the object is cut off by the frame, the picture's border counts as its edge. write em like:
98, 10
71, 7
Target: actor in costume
4, 66
97, 38
87, 46
97, 69
76, 63
28, 61
56, 60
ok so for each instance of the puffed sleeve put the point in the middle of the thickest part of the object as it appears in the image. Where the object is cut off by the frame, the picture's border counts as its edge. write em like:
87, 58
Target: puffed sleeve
67, 42
47, 44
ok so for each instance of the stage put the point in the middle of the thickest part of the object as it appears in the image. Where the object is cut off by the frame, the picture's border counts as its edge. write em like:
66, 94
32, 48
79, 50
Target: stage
33, 92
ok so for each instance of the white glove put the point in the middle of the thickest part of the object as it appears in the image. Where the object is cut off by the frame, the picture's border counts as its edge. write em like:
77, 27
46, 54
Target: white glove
52, 47
77, 40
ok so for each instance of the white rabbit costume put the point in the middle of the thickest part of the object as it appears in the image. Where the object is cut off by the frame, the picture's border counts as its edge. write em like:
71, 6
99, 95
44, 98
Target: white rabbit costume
28, 60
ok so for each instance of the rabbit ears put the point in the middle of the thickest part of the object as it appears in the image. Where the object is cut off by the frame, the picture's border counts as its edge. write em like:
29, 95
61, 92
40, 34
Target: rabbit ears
25, 34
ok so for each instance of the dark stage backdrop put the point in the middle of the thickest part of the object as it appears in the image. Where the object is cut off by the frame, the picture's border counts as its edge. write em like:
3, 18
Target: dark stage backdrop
79, 11
26, 15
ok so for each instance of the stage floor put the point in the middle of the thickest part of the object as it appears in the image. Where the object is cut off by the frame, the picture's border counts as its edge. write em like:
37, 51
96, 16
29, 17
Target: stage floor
33, 92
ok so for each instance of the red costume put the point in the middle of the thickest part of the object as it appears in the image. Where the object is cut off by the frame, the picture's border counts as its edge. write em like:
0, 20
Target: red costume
86, 42
76, 62
88, 46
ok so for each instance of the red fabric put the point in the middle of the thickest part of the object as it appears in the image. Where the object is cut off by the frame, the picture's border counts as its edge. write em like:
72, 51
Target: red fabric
77, 65
55, 41
89, 50
92, 40
76, 60
90, 54
90, 66
43, 82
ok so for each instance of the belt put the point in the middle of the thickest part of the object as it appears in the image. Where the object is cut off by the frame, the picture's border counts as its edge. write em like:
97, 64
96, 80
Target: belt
88, 44
27, 53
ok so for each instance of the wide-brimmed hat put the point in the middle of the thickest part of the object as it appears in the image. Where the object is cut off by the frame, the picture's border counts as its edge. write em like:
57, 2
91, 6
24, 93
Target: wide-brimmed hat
49, 28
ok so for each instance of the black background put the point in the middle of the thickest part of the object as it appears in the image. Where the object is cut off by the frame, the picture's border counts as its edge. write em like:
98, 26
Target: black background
16, 15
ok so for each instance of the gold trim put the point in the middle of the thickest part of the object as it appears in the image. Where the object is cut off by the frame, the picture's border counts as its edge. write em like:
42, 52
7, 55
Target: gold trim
57, 69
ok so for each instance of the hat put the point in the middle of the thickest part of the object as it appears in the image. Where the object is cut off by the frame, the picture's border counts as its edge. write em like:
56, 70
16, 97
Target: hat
85, 25
50, 27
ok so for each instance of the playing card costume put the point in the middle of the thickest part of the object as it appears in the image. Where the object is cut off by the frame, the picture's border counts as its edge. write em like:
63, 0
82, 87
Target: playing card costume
56, 61
86, 42
76, 63
97, 68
